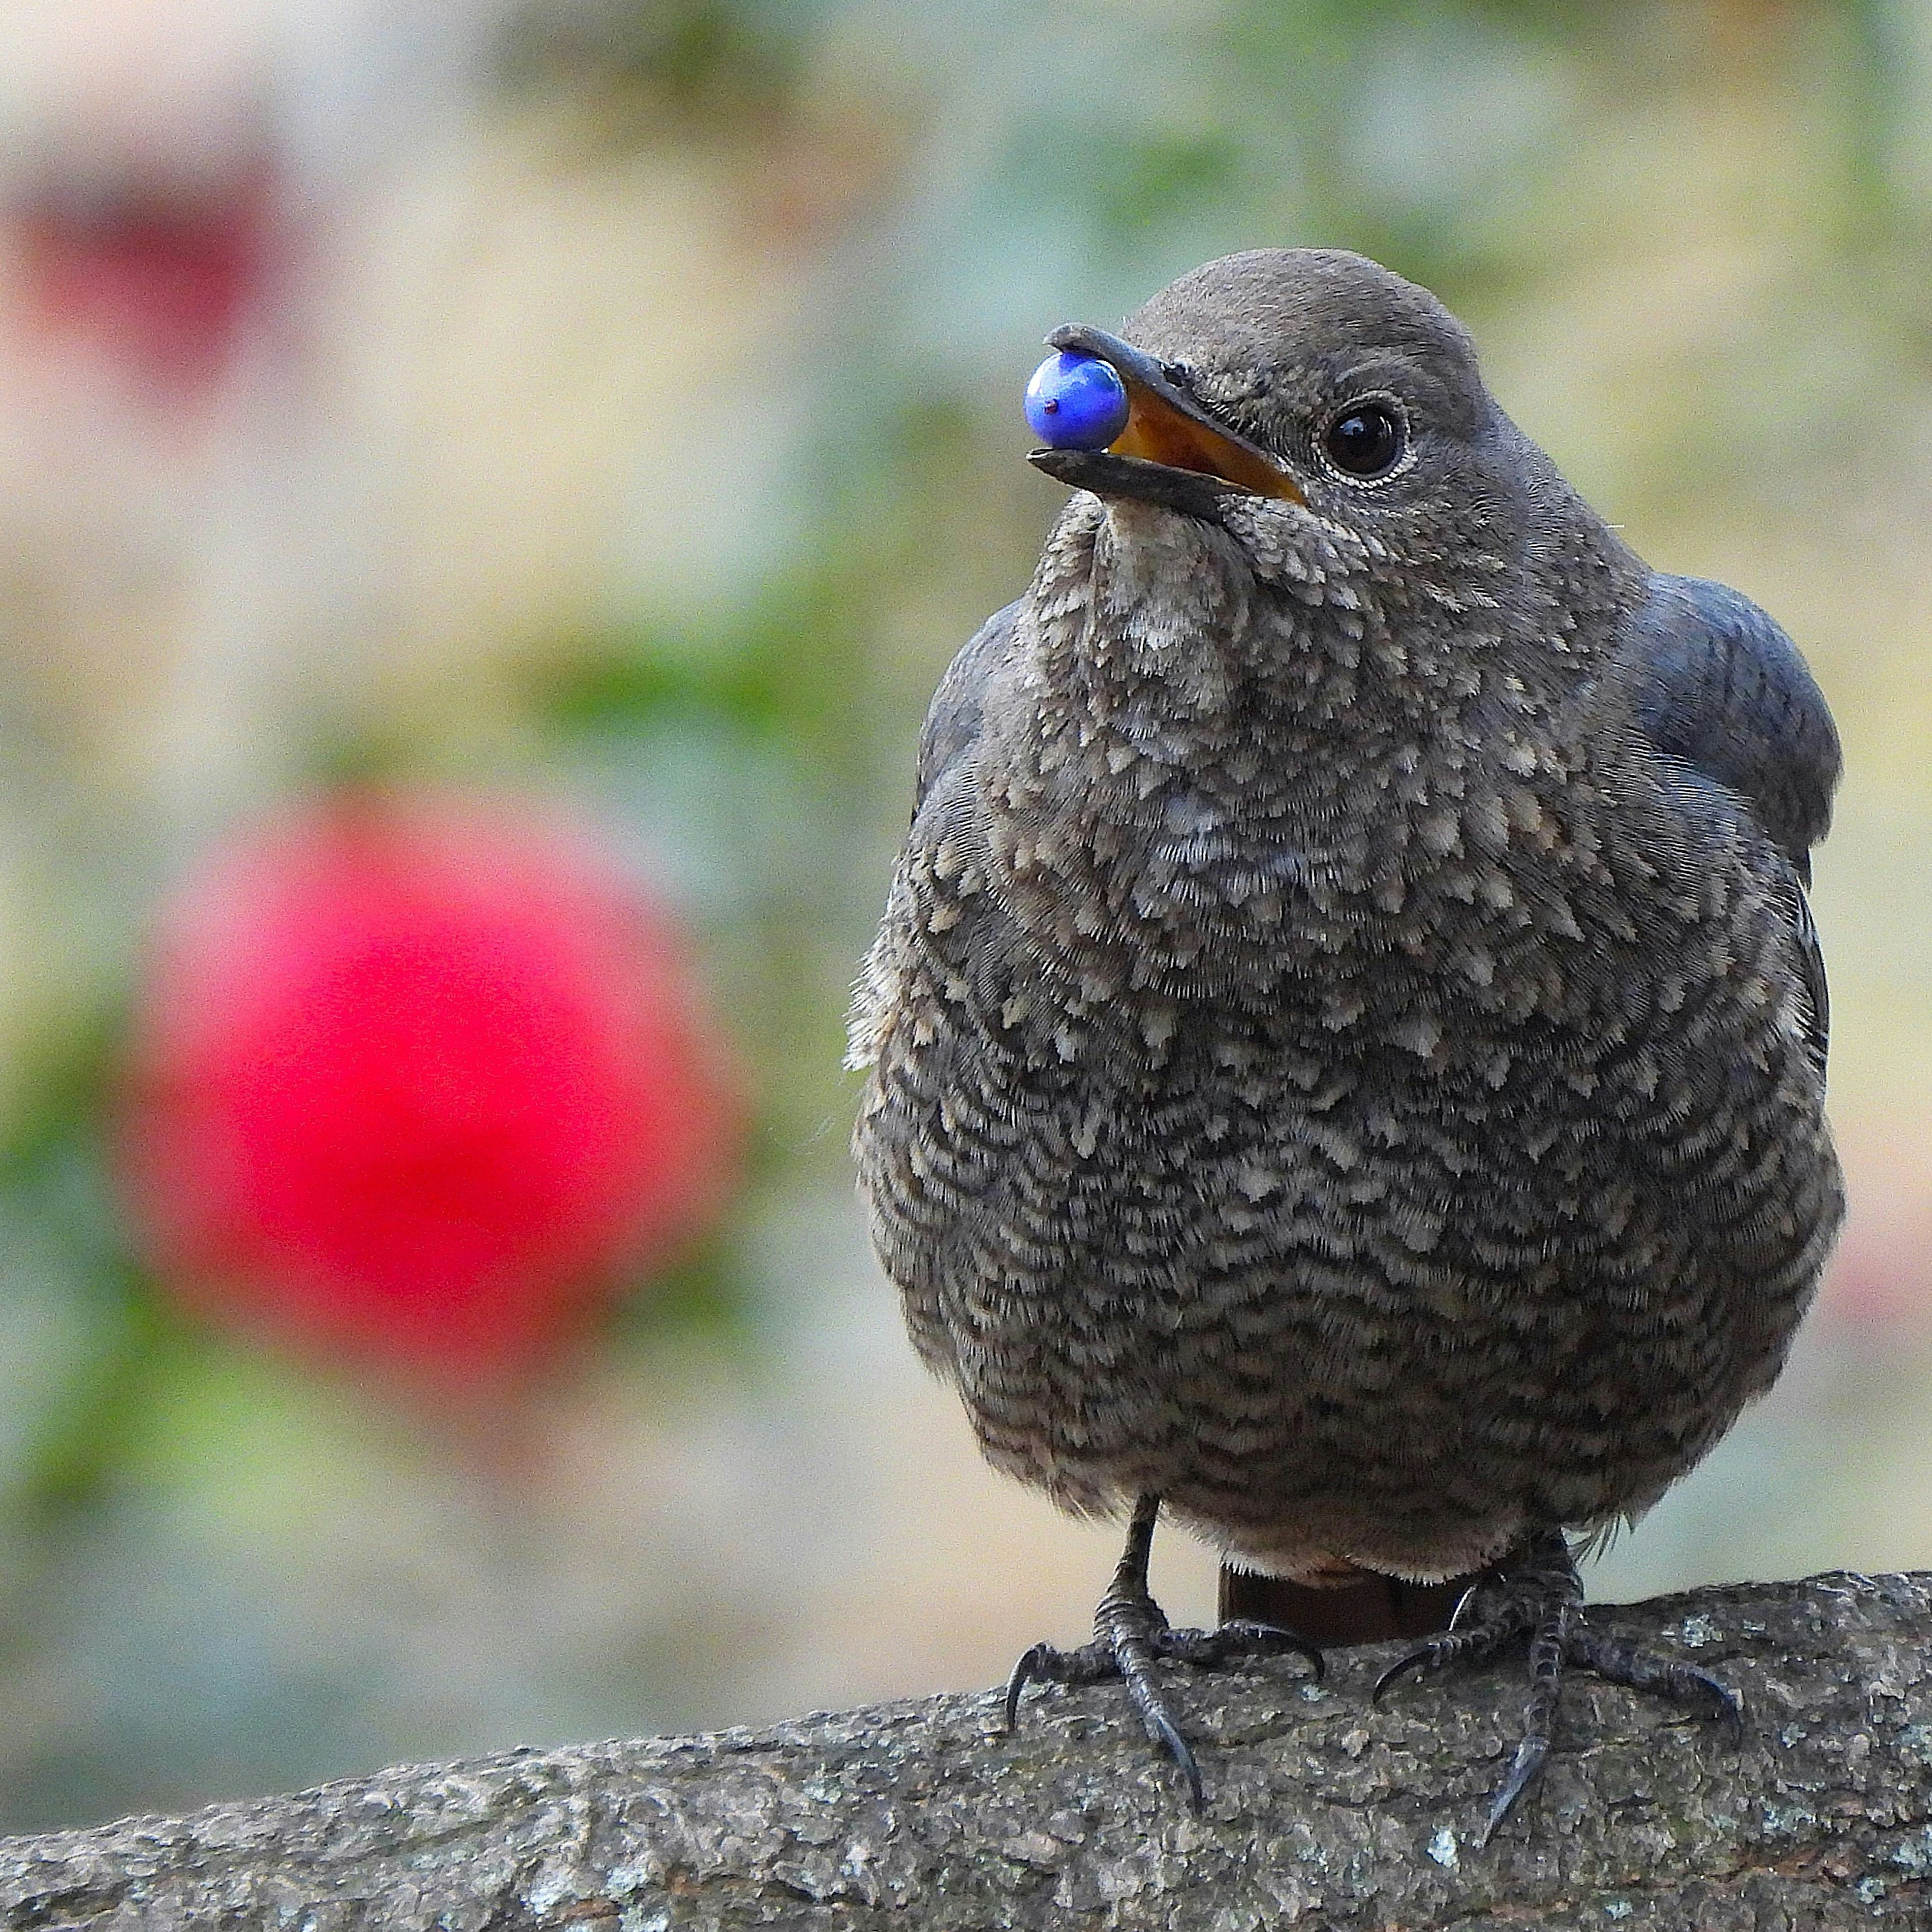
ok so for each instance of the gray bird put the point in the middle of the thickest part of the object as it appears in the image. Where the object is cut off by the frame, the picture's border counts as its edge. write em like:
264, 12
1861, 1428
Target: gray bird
1347, 1037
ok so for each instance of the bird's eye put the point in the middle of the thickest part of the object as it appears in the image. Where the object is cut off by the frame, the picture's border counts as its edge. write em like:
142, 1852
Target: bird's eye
1366, 440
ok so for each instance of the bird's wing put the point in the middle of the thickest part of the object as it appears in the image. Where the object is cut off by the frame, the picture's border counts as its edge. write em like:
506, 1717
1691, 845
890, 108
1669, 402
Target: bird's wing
932, 919
952, 723
1720, 688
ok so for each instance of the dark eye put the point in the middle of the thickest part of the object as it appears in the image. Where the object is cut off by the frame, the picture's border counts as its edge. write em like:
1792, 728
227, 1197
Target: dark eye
1366, 440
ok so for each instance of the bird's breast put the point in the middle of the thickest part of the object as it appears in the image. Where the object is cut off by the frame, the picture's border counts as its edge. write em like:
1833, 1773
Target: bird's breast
1239, 869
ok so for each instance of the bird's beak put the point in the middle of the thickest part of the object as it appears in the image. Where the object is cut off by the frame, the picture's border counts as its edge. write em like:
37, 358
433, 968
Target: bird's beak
1171, 451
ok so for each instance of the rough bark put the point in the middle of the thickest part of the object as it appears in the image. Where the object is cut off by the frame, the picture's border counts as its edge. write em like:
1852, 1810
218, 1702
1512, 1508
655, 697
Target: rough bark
1321, 1811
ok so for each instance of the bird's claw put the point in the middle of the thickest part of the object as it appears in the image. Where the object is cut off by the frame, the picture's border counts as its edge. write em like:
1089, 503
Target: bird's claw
1644, 1670
1541, 1598
1479, 1636
1127, 1652
1131, 1635
1215, 1649
1524, 1769
1238, 1641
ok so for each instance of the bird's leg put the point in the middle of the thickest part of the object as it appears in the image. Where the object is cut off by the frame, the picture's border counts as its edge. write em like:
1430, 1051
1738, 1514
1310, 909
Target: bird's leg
1537, 1594
1130, 1632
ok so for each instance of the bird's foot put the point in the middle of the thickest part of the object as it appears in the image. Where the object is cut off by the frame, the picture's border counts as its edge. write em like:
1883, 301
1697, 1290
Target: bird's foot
1131, 1634
1540, 1596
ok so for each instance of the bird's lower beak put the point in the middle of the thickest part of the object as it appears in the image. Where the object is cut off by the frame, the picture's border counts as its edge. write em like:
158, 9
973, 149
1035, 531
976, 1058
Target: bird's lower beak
1171, 451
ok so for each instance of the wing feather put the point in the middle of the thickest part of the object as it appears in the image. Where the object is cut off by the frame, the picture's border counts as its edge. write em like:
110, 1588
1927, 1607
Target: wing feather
1722, 690
952, 723
1721, 687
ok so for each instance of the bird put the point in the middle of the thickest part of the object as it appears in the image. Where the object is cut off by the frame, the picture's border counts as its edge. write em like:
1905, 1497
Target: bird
1345, 1050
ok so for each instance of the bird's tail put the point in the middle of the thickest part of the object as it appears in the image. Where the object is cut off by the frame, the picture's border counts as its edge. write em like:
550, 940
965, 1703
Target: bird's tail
1366, 1609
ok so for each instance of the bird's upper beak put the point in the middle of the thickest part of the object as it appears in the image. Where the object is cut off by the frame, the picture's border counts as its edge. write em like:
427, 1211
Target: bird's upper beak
1171, 451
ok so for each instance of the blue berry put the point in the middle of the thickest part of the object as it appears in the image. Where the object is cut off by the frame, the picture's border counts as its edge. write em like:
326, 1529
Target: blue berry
1076, 402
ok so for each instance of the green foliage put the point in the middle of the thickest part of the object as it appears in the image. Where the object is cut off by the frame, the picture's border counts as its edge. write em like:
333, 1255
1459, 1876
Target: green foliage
693, 70
780, 673
56, 1205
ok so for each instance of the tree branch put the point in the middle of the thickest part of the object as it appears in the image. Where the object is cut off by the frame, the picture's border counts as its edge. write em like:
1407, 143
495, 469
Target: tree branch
1321, 1812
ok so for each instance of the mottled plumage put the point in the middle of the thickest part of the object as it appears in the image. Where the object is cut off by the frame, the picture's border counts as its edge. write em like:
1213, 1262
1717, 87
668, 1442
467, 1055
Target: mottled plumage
1347, 1038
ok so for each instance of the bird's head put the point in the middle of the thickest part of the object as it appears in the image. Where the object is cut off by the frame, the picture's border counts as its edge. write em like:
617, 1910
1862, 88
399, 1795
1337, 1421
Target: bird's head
1297, 398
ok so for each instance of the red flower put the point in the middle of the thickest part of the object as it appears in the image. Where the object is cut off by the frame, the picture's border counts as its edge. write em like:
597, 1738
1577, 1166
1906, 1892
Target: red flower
161, 278
419, 1080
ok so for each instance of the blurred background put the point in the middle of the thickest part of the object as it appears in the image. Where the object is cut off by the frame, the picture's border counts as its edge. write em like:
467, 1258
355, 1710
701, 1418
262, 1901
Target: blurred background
486, 491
